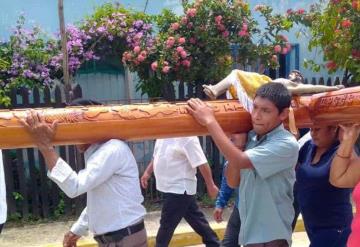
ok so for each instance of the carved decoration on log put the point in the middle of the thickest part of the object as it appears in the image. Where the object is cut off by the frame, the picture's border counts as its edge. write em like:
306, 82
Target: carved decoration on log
149, 121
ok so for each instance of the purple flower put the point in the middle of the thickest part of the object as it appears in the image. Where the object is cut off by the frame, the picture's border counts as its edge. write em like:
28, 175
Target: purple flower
138, 24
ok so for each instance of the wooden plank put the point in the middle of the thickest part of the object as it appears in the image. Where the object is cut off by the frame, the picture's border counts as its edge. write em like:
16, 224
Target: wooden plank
67, 200
321, 81
20, 166
33, 187
44, 187
9, 181
328, 82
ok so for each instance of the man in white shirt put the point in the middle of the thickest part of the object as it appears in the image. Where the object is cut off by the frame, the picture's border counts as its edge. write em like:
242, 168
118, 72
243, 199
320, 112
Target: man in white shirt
111, 180
174, 163
3, 205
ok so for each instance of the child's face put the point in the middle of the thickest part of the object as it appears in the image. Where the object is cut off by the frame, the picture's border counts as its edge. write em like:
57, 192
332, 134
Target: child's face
239, 140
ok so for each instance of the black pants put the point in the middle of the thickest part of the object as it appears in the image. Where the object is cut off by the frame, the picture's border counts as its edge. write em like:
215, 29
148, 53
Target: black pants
1, 227
231, 236
176, 207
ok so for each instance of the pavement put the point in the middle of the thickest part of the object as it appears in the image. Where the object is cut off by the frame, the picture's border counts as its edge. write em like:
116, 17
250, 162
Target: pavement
51, 234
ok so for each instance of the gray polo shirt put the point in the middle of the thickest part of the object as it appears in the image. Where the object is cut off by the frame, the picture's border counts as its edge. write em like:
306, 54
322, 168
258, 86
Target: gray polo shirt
266, 192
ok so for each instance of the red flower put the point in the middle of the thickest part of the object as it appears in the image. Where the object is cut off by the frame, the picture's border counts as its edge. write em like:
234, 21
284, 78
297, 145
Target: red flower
346, 23
331, 65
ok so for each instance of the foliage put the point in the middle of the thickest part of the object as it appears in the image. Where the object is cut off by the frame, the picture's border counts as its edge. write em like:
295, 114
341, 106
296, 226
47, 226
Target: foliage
195, 47
25, 60
335, 28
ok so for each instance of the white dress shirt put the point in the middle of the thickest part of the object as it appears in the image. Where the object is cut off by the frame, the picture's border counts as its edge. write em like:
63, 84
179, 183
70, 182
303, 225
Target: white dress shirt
3, 205
175, 162
111, 181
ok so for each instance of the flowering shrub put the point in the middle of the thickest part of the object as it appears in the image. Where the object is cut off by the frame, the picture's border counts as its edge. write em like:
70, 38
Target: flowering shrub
335, 28
26, 60
195, 47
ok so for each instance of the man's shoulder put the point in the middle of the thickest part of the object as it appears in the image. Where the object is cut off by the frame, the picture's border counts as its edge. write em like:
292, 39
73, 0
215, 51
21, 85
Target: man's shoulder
115, 145
284, 137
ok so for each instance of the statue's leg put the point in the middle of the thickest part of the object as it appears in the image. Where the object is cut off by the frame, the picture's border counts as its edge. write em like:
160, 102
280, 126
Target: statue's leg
224, 84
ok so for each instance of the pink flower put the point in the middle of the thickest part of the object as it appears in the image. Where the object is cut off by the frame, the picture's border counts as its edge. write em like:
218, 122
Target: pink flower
179, 49
221, 27
289, 11
190, 25
166, 69
288, 46
184, 20
183, 54
140, 58
277, 49
355, 4
331, 65
128, 56
259, 7
192, 40
191, 12
186, 63
225, 34
284, 51
143, 53
166, 63
244, 27
243, 33
301, 11
170, 42
218, 19
137, 49
346, 23
181, 40
175, 26
154, 66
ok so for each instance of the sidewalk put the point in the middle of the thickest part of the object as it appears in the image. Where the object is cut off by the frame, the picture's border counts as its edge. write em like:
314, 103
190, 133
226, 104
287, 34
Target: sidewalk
51, 234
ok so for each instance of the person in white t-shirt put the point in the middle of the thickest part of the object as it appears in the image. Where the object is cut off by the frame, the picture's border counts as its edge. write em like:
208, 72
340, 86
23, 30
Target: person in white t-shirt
114, 212
3, 205
174, 164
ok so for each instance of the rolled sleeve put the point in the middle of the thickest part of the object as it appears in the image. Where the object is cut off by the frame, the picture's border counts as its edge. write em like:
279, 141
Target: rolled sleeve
273, 157
194, 153
60, 172
80, 227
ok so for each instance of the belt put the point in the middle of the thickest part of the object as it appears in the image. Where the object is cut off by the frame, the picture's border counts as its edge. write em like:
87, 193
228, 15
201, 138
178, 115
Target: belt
118, 235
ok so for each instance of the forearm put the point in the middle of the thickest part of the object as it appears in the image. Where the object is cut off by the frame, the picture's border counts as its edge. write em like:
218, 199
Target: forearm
232, 174
306, 88
206, 174
150, 168
341, 163
50, 156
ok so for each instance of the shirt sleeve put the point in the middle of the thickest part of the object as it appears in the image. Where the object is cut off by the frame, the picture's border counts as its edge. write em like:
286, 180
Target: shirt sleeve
225, 191
81, 226
273, 156
194, 152
99, 168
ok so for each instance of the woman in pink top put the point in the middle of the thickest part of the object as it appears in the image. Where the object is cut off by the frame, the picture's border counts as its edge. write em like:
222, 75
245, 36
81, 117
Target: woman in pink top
345, 173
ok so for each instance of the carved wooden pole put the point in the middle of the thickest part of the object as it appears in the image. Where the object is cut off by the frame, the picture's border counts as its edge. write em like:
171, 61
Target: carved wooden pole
150, 121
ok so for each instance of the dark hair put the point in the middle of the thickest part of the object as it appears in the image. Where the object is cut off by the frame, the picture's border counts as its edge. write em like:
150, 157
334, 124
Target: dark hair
299, 78
84, 102
276, 93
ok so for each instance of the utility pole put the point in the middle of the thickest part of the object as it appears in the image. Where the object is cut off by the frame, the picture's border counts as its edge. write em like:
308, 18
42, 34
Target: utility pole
66, 76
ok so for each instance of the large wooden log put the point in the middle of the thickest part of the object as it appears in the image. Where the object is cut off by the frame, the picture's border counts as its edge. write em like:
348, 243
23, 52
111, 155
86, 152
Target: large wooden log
150, 121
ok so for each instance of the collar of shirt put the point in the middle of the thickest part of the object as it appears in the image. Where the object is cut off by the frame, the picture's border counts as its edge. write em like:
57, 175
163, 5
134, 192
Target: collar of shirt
254, 136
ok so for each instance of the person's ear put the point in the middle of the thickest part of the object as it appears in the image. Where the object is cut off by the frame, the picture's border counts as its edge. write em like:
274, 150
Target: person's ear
284, 114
